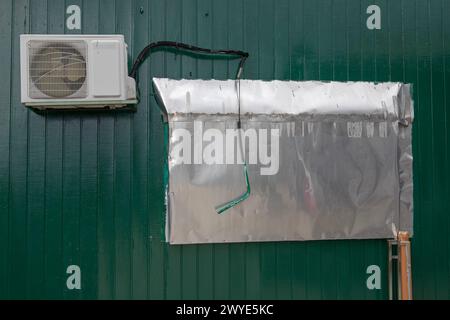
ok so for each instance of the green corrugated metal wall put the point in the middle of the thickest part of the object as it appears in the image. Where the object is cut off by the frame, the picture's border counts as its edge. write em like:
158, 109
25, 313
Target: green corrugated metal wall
87, 188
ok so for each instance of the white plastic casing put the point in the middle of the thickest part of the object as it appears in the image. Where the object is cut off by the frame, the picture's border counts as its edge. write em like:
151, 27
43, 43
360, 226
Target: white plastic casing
107, 80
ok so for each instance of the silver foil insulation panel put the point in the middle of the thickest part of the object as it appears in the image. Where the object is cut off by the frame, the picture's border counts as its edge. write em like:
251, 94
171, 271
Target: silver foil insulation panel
326, 160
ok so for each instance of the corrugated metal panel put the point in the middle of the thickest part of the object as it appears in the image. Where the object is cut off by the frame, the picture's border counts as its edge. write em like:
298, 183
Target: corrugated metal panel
87, 188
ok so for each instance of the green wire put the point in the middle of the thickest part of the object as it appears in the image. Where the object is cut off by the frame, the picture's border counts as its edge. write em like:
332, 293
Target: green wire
230, 204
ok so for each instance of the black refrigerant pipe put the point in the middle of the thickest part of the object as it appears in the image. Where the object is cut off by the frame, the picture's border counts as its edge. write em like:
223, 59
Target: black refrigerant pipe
186, 47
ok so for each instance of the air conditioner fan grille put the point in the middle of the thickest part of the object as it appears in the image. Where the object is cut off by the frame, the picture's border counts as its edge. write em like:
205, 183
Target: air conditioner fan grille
57, 69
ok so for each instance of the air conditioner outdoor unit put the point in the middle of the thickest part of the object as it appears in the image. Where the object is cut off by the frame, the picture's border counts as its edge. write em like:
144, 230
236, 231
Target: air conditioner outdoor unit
75, 71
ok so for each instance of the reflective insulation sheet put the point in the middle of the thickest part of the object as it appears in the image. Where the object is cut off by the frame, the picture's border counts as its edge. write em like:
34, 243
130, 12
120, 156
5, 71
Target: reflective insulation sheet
325, 160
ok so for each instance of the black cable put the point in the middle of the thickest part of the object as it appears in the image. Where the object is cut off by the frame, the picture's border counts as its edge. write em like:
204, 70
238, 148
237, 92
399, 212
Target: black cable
238, 89
183, 46
235, 54
238, 92
187, 47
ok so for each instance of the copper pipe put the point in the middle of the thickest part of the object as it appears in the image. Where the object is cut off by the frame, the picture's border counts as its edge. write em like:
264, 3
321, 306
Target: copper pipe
404, 246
